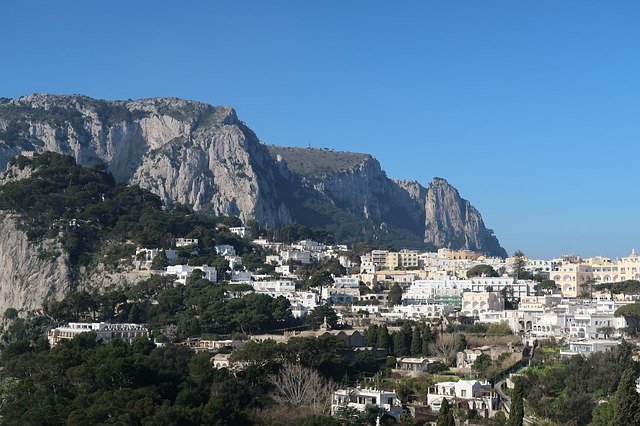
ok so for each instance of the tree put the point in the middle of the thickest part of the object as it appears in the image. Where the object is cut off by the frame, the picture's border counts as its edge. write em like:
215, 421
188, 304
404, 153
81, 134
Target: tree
519, 263
546, 287
160, 261
416, 341
631, 314
222, 266
461, 342
516, 412
626, 409
445, 415
482, 271
317, 316
482, 363
383, 339
445, 347
395, 294
10, 314
296, 385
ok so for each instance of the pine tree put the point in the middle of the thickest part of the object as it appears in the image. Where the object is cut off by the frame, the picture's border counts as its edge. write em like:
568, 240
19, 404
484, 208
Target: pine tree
416, 341
626, 409
516, 414
445, 415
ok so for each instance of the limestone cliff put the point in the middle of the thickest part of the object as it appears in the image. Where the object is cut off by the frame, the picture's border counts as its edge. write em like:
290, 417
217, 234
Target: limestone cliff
186, 152
357, 183
204, 156
29, 273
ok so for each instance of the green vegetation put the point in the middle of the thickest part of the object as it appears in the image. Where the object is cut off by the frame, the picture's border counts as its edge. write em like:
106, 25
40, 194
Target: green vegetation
83, 382
626, 287
568, 390
315, 163
177, 312
482, 271
84, 208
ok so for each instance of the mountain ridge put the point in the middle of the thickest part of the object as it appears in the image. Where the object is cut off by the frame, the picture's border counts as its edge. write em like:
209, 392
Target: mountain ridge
204, 156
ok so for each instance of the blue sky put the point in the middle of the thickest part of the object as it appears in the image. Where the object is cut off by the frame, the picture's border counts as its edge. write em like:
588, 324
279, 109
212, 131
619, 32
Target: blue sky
530, 108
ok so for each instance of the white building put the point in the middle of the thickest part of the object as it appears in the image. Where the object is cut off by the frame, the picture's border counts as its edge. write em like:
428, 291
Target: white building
303, 257
588, 347
105, 332
474, 303
308, 245
182, 272
360, 399
346, 282
464, 394
185, 242
225, 250
240, 231
340, 295
276, 286
418, 312
147, 255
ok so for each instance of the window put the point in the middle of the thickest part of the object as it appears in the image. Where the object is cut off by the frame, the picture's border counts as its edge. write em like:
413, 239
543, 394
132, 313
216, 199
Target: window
463, 393
374, 400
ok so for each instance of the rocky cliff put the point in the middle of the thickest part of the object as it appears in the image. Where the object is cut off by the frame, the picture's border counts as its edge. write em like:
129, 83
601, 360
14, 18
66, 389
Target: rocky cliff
357, 183
29, 273
204, 156
186, 152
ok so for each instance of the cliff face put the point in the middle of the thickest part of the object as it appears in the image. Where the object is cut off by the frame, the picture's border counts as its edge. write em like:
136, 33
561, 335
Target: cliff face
204, 156
186, 152
451, 221
357, 183
30, 273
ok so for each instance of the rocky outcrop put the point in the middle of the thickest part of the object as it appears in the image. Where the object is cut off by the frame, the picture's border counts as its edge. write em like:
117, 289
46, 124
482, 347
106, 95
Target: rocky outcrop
451, 221
30, 273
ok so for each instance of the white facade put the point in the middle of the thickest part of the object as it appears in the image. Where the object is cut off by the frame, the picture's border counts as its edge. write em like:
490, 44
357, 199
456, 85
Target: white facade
185, 242
418, 312
474, 303
464, 394
279, 286
182, 272
225, 250
360, 399
240, 231
104, 332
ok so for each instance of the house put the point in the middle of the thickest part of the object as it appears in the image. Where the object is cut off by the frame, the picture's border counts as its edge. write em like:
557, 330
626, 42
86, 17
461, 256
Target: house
413, 365
588, 347
105, 332
225, 250
185, 242
466, 395
182, 272
466, 358
475, 303
240, 231
361, 399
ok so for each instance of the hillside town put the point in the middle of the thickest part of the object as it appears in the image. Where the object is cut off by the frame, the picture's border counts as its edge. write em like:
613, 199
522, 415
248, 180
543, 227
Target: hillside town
512, 308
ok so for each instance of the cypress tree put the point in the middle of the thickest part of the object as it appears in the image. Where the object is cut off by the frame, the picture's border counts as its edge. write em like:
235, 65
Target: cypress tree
516, 414
445, 415
416, 341
383, 338
400, 347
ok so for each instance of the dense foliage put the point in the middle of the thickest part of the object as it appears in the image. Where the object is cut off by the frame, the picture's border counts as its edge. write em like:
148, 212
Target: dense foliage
85, 208
570, 389
83, 382
177, 312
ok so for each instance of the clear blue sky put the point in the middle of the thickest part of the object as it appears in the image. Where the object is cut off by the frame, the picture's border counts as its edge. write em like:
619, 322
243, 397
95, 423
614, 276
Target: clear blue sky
530, 108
